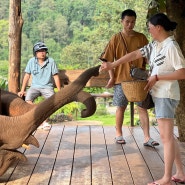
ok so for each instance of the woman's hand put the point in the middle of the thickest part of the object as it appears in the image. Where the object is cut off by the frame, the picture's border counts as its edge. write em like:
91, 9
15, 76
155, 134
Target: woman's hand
105, 66
151, 82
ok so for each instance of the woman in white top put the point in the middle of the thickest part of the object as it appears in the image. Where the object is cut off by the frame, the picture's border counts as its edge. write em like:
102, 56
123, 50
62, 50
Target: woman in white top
167, 65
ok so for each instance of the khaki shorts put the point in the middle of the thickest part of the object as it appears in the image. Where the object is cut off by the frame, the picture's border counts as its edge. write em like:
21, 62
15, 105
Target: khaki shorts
33, 93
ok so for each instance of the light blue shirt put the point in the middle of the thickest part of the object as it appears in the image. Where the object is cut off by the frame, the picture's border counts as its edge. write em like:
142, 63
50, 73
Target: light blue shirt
42, 76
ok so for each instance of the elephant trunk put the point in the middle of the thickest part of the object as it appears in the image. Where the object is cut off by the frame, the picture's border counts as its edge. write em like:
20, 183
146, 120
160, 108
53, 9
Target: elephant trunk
89, 102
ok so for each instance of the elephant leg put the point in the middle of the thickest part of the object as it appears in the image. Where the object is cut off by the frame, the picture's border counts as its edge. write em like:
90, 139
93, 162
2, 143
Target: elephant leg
32, 140
7, 157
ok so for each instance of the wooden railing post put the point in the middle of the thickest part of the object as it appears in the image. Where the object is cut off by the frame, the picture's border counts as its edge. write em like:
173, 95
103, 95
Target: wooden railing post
132, 114
0, 103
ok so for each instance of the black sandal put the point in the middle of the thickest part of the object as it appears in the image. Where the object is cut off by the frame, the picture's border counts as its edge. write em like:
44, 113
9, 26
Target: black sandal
151, 143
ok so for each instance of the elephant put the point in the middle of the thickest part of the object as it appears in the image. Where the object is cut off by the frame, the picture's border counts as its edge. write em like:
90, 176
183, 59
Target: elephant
13, 105
19, 120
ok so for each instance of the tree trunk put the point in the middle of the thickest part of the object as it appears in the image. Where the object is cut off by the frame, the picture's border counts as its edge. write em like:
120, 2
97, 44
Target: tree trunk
15, 31
179, 17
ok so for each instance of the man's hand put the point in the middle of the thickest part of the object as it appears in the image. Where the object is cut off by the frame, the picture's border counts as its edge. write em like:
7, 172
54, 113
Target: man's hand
21, 93
110, 83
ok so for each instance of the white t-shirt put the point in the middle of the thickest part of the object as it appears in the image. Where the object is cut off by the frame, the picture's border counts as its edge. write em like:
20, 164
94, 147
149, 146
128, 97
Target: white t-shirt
164, 58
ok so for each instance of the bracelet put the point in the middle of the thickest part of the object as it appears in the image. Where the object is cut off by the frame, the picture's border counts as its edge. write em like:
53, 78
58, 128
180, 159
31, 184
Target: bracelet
156, 77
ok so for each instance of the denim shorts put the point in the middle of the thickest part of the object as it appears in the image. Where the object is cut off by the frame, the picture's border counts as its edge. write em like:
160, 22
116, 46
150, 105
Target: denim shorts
33, 93
165, 107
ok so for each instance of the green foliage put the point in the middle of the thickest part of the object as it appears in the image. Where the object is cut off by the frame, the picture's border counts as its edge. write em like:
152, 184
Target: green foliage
4, 69
75, 32
156, 6
68, 109
3, 84
4, 4
4, 75
95, 90
4, 40
109, 119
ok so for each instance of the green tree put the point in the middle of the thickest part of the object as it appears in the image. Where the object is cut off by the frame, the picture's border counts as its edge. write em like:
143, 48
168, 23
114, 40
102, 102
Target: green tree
4, 39
4, 4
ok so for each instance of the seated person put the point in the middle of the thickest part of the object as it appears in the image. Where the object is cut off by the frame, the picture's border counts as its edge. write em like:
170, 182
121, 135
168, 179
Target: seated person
42, 69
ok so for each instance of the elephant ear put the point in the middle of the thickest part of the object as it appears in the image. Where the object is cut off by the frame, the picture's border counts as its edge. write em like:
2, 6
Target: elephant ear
88, 100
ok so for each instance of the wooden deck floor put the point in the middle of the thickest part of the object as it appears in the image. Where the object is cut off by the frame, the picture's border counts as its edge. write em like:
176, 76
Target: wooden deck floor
87, 155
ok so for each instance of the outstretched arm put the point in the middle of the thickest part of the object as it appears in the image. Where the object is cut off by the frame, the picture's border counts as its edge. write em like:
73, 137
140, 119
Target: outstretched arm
126, 58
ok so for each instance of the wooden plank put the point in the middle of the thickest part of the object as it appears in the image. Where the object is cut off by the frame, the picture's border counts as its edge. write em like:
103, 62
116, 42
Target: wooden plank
119, 167
5, 178
101, 173
181, 144
88, 155
81, 173
19, 173
139, 170
153, 156
62, 170
43, 167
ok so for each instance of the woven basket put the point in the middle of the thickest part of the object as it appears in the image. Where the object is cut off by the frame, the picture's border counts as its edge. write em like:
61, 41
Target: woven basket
134, 90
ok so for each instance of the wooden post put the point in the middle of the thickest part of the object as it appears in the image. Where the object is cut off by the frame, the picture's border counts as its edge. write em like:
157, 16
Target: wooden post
132, 114
0, 103
15, 31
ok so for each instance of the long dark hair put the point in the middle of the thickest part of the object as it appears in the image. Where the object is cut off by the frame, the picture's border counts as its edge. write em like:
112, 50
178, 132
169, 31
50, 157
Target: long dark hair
162, 20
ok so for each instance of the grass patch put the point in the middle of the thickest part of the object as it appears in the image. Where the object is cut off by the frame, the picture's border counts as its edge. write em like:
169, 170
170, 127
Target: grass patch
106, 118
109, 119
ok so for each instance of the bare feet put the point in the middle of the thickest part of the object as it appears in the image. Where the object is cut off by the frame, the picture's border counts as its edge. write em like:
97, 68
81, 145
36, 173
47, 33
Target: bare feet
160, 182
179, 179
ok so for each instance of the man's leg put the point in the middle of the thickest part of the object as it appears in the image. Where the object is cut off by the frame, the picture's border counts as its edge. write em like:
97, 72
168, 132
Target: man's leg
120, 101
46, 93
144, 119
119, 120
31, 95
